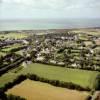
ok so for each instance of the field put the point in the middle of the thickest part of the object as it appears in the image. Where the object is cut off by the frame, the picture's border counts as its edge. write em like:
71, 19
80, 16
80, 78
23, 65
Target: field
33, 90
13, 35
95, 32
81, 77
9, 48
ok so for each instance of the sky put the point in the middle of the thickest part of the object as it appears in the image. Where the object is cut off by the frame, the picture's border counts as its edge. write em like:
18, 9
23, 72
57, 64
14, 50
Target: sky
32, 9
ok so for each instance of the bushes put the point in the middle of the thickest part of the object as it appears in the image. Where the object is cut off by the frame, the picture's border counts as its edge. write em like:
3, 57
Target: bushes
15, 64
18, 80
13, 97
88, 97
34, 77
9, 85
2, 95
18, 48
97, 85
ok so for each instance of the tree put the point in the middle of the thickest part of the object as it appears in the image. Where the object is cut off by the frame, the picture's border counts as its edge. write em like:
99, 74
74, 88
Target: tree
67, 57
2, 95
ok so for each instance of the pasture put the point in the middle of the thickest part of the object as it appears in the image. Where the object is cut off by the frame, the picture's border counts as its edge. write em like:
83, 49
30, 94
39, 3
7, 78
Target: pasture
10, 47
81, 77
13, 36
95, 32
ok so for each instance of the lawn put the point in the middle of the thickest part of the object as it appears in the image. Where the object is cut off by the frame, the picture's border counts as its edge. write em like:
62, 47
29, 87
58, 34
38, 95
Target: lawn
32, 90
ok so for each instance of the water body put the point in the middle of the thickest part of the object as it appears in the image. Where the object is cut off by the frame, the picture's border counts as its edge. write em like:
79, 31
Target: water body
47, 24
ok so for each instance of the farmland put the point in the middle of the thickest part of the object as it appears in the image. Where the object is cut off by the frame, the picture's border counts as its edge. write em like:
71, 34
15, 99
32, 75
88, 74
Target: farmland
33, 90
80, 77
70, 60
13, 35
86, 79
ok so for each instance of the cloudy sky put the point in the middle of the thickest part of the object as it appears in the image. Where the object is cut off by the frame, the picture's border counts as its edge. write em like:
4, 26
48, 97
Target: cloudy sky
20, 9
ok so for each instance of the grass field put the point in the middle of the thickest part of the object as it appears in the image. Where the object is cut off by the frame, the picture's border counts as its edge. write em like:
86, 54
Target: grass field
2, 54
94, 32
8, 48
81, 77
32, 90
8, 77
13, 35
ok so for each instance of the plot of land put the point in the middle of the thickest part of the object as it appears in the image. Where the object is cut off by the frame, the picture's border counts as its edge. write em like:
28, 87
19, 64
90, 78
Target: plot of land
9, 48
95, 32
13, 35
33, 90
81, 77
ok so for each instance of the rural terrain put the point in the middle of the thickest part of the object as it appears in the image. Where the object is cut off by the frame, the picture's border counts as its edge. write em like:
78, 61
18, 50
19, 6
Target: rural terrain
57, 64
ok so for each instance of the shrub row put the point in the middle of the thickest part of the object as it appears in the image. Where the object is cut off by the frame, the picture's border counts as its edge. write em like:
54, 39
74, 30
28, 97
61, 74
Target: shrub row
3, 96
7, 64
16, 81
34, 77
13, 97
18, 48
97, 85
15, 64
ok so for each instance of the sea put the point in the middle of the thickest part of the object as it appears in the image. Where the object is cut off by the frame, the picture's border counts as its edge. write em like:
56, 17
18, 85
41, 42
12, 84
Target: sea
41, 24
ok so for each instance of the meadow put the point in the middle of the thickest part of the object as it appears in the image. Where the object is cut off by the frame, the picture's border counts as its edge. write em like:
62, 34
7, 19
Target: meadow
9, 48
80, 77
13, 35
91, 31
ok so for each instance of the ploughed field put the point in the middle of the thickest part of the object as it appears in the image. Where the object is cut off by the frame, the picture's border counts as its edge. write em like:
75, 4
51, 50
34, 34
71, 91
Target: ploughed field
33, 90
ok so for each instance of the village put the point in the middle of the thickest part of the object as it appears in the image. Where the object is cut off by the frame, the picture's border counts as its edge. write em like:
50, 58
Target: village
67, 49
75, 51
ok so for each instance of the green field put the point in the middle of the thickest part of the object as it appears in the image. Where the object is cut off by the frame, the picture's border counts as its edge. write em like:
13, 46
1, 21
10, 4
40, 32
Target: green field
9, 48
95, 32
81, 77
13, 35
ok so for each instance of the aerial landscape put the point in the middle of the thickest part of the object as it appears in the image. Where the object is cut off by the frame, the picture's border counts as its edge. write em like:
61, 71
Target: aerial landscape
49, 58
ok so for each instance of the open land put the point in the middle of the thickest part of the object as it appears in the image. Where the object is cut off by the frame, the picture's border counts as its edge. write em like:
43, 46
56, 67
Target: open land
33, 90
